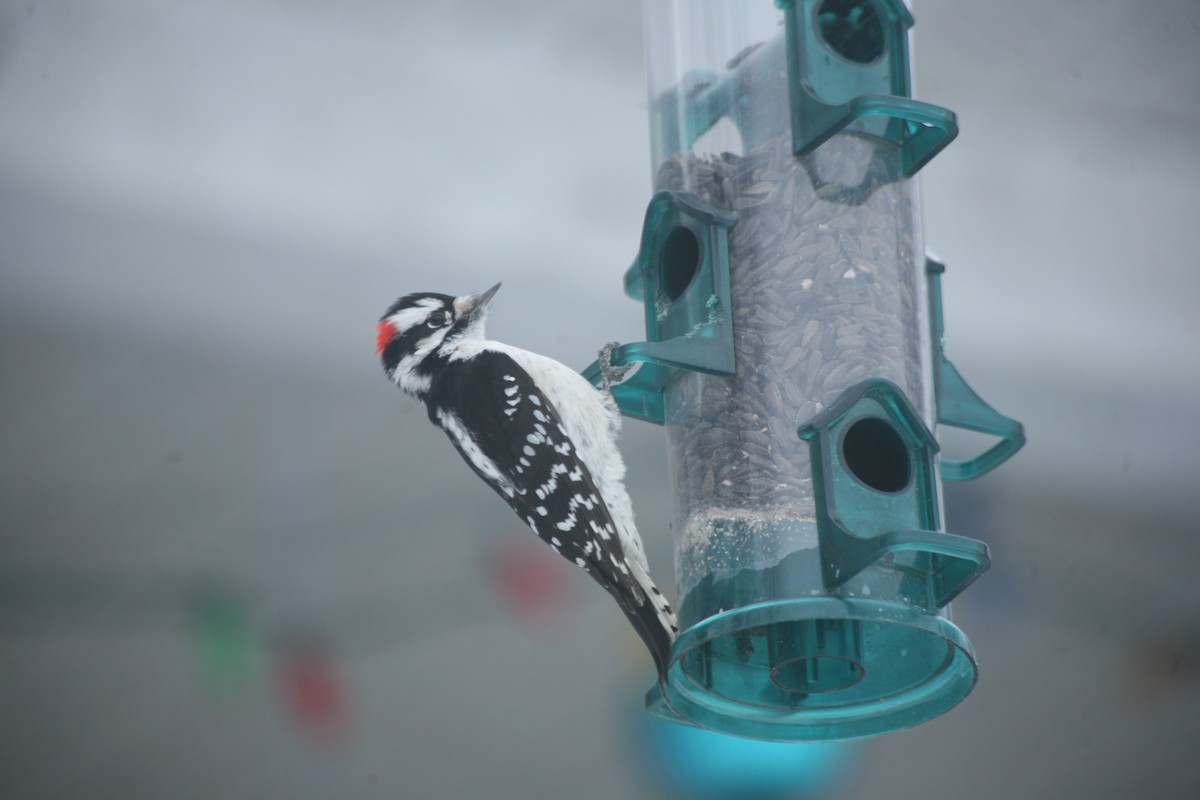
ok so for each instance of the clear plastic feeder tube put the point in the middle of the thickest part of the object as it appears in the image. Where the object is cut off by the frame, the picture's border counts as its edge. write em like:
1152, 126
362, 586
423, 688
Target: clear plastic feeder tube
831, 333
826, 277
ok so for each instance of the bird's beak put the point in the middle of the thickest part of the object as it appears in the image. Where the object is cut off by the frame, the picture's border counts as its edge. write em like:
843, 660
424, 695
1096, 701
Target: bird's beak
474, 306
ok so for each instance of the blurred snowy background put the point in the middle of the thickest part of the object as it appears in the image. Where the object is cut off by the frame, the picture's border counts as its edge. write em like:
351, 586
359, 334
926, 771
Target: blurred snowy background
235, 563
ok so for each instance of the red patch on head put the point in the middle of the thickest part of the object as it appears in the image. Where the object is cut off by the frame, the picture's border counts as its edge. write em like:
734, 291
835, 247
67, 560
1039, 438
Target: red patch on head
384, 332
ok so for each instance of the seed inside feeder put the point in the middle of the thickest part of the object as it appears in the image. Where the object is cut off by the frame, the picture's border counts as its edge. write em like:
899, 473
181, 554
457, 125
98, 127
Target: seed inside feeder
826, 289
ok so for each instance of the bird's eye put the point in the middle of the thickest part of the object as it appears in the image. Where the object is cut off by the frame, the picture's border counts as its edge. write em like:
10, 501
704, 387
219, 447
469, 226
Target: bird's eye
437, 319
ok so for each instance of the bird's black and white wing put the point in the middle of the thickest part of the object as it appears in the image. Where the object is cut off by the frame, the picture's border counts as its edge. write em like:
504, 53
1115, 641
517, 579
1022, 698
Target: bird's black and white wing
511, 434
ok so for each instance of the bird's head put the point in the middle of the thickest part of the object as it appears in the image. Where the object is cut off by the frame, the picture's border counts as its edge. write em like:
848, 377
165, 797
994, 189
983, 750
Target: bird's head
421, 329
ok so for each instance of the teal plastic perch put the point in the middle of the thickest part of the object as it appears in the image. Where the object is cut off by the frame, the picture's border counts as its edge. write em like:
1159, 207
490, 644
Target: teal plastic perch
867, 89
958, 404
683, 266
840, 66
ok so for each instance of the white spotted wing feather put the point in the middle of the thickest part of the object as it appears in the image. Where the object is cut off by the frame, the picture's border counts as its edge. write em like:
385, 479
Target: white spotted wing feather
561, 473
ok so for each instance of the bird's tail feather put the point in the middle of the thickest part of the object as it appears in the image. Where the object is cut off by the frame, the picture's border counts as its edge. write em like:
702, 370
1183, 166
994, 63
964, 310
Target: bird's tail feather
651, 616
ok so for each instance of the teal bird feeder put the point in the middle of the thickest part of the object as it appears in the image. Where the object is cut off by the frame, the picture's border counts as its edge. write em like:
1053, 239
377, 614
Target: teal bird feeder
793, 355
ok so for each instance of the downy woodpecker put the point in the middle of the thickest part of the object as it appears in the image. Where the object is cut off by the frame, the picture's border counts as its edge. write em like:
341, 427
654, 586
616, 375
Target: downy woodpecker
538, 433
